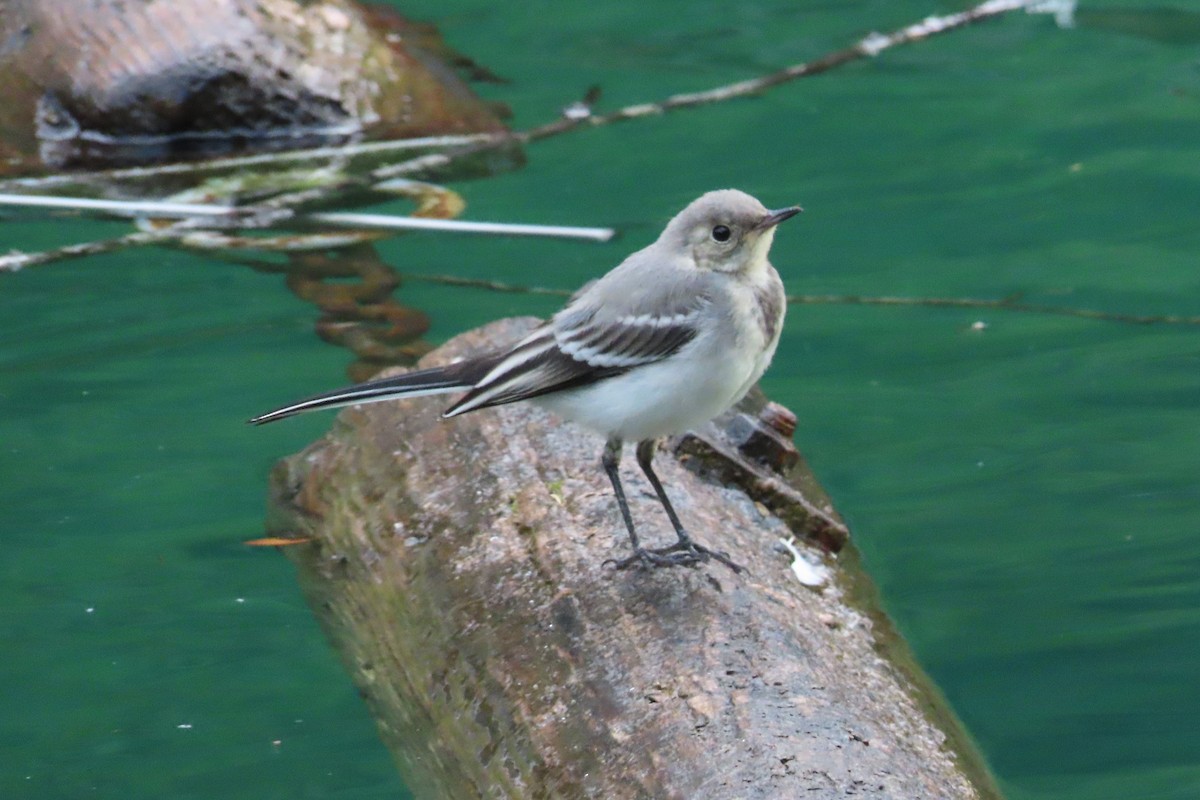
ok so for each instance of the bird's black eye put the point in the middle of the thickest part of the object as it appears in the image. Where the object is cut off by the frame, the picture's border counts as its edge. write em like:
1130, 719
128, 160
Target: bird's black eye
721, 233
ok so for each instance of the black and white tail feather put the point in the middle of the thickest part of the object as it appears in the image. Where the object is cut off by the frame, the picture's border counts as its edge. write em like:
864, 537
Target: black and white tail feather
677, 333
569, 352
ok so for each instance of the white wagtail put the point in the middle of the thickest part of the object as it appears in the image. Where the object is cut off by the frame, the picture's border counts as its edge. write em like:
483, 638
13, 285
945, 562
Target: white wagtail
672, 337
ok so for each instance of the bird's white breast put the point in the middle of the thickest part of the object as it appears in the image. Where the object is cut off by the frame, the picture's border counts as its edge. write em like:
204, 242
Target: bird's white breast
706, 377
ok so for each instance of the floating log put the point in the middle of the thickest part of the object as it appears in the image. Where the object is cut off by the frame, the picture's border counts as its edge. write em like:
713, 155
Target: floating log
458, 569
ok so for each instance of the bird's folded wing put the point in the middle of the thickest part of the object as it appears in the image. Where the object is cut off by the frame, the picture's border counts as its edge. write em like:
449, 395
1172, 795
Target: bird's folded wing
576, 349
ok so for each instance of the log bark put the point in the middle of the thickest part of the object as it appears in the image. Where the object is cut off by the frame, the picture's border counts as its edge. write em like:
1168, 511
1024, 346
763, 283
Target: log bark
458, 568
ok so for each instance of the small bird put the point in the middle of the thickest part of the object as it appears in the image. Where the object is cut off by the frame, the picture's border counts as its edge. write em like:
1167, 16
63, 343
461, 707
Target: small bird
672, 337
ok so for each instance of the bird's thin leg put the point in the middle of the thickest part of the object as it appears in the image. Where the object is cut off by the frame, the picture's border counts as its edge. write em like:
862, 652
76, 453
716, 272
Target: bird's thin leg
685, 550
612, 461
645, 454
641, 556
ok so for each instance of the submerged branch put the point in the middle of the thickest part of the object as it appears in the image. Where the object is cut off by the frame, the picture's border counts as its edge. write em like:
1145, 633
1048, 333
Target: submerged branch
1011, 303
1002, 304
579, 115
17, 260
491, 286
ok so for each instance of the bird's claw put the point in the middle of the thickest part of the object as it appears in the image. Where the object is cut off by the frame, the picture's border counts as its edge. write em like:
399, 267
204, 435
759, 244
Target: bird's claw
681, 554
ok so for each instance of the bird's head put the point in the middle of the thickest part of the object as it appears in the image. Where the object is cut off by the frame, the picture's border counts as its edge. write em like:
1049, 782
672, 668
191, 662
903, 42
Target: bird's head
726, 231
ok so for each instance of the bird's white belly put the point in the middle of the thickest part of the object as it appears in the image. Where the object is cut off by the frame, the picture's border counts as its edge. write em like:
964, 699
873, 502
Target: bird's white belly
659, 399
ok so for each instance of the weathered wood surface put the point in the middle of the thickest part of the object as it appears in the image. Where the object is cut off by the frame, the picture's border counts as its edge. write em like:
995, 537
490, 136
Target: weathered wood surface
458, 569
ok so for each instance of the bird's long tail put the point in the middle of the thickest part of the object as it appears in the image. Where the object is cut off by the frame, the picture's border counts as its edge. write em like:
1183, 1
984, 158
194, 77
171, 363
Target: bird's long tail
438, 380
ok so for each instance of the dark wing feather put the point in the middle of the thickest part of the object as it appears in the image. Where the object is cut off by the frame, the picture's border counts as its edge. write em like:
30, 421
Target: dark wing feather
627, 341
575, 350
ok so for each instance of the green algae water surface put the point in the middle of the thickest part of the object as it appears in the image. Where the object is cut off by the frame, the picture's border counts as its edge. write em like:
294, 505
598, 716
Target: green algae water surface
1023, 485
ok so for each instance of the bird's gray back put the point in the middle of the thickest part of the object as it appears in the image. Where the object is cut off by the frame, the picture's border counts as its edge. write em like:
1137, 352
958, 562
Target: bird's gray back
655, 282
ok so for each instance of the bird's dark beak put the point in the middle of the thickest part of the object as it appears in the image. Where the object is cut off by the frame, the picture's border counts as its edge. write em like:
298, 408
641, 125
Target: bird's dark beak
773, 218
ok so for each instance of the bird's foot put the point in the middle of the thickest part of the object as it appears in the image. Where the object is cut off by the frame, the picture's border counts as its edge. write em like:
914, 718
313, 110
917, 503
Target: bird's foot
684, 553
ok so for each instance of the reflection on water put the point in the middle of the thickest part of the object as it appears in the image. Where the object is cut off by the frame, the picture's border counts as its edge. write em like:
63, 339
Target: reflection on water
357, 294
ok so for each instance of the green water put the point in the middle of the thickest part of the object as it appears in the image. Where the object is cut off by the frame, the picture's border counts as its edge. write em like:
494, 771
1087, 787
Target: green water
1026, 495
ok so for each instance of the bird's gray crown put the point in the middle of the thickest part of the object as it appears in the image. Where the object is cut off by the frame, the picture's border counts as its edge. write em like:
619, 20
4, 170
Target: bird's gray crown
722, 231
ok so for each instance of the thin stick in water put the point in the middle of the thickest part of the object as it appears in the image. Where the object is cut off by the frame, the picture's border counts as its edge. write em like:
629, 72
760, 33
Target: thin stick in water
1002, 304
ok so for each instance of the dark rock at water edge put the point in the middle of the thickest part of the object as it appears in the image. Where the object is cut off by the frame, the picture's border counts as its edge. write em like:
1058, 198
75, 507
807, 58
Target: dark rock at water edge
111, 83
